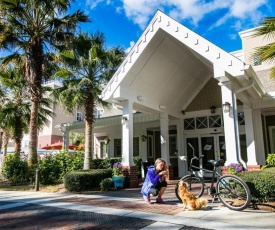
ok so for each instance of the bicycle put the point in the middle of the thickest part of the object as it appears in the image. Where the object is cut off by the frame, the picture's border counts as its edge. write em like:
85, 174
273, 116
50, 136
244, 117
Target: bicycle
231, 190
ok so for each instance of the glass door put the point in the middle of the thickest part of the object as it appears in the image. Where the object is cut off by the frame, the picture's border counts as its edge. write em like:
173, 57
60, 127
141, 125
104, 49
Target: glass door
213, 148
208, 149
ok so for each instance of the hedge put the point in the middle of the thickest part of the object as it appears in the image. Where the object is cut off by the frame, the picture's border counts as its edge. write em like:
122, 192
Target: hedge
78, 181
261, 184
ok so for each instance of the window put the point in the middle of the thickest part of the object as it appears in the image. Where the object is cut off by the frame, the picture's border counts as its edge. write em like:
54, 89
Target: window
79, 116
257, 60
99, 113
241, 119
173, 145
150, 145
201, 122
136, 146
117, 147
215, 121
189, 124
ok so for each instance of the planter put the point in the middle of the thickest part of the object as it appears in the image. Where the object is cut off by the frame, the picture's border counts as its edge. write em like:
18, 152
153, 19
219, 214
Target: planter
118, 181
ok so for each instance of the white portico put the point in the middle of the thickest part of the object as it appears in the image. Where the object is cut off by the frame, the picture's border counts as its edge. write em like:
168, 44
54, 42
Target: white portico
166, 69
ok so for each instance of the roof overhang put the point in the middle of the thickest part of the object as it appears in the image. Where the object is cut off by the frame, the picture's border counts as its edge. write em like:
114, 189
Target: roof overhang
169, 65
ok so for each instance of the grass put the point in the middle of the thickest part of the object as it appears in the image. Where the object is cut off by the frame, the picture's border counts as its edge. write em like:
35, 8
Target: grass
6, 186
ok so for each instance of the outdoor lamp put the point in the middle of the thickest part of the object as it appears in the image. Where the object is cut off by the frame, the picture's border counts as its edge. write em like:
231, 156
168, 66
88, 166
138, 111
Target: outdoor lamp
226, 107
213, 109
123, 120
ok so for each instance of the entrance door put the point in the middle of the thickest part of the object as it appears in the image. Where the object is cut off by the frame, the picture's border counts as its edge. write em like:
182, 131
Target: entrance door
213, 148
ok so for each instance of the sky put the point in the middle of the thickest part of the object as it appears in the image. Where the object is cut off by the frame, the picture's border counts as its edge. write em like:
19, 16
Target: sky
219, 21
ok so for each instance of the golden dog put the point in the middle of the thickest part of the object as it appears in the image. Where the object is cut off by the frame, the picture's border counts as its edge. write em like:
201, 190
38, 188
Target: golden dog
189, 199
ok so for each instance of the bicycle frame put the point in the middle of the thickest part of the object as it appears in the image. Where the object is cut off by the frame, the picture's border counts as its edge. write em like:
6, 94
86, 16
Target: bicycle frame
214, 172
231, 190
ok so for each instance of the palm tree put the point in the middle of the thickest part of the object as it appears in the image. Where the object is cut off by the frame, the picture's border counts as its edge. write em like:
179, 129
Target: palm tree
267, 52
15, 105
31, 28
87, 68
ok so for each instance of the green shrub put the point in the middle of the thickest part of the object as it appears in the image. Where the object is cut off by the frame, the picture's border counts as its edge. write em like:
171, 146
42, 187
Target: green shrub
77, 161
138, 162
106, 184
15, 169
64, 160
50, 169
270, 161
106, 163
85, 180
261, 184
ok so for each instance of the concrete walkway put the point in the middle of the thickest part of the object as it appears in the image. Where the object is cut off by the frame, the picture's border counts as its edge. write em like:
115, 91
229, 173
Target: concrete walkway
128, 203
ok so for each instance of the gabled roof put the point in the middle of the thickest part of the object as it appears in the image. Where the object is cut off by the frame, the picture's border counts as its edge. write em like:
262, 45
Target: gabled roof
169, 65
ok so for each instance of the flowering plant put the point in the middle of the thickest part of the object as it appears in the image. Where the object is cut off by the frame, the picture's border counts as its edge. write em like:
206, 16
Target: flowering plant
117, 169
235, 167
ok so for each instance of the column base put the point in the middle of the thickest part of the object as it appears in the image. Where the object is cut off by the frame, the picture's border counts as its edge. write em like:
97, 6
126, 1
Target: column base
131, 173
170, 175
225, 170
254, 167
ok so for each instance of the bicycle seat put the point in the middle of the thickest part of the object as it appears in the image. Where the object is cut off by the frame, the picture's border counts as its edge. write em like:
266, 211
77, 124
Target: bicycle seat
217, 163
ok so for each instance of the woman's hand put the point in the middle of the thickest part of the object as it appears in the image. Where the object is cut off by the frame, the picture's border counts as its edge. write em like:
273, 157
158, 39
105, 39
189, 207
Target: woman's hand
163, 173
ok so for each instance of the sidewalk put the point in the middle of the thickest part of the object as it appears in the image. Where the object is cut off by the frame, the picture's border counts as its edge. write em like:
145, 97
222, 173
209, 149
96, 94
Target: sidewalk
128, 203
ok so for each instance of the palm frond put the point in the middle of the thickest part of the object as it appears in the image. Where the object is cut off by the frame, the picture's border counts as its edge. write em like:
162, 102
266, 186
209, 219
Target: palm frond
267, 28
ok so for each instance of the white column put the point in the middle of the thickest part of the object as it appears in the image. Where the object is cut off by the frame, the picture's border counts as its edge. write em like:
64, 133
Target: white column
181, 164
231, 137
67, 139
249, 132
259, 139
127, 134
164, 137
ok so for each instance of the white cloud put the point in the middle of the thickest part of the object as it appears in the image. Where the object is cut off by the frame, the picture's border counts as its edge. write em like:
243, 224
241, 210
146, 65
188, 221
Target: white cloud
141, 11
94, 3
241, 14
127, 50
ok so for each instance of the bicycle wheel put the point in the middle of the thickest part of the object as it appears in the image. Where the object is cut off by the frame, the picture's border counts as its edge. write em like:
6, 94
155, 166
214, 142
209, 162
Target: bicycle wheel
233, 192
196, 185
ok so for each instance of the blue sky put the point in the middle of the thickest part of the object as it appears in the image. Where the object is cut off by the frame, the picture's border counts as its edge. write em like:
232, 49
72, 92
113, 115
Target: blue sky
219, 21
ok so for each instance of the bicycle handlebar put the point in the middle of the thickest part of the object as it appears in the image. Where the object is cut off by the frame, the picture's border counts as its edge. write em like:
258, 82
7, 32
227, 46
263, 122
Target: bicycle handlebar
195, 158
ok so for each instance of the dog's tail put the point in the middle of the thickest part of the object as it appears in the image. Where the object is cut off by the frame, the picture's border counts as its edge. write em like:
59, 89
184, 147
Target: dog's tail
201, 202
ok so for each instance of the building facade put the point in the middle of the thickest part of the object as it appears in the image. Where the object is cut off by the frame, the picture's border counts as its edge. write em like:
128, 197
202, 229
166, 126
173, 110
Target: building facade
177, 93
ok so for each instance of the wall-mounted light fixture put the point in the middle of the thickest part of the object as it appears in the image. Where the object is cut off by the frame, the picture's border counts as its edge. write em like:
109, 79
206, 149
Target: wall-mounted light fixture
107, 140
213, 109
162, 106
226, 107
123, 120
140, 98
182, 112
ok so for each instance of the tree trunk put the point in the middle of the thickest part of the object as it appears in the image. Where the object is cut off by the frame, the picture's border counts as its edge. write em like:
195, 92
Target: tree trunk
34, 74
89, 118
18, 135
6, 138
88, 144
32, 156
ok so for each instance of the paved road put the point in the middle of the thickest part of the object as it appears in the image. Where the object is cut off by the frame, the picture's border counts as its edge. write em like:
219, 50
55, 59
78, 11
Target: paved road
33, 216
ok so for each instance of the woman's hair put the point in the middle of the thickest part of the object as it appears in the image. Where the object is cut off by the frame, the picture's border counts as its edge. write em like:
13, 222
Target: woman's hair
158, 160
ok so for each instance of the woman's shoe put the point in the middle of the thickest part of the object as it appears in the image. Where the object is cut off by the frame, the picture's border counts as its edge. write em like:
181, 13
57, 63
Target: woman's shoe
147, 199
159, 200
